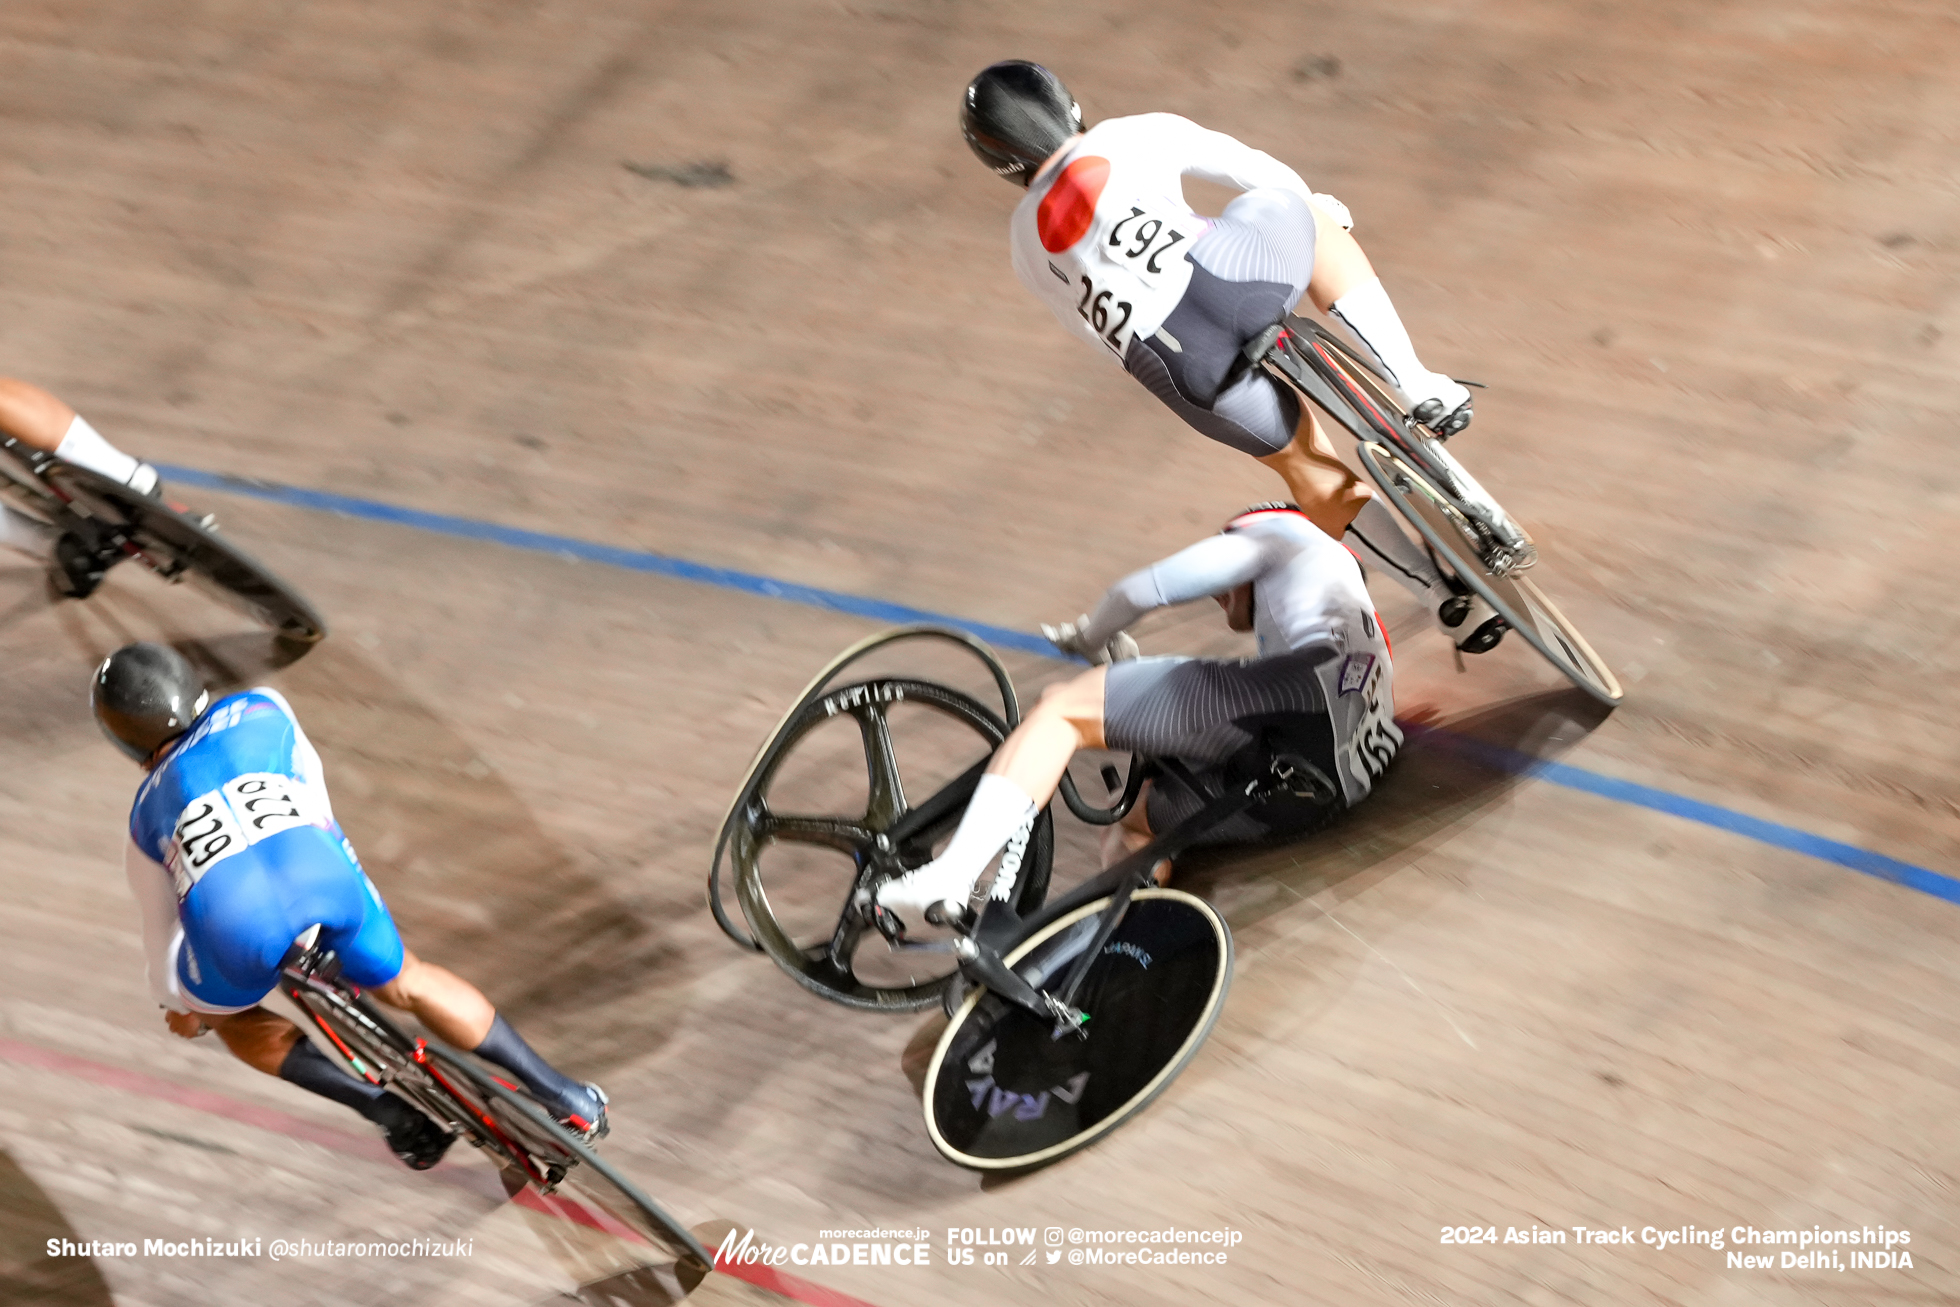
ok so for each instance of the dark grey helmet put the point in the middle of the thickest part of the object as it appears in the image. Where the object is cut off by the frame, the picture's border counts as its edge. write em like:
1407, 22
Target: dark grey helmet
1015, 115
144, 696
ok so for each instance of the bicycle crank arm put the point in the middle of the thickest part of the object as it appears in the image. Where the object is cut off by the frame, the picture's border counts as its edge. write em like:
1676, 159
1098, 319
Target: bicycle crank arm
983, 966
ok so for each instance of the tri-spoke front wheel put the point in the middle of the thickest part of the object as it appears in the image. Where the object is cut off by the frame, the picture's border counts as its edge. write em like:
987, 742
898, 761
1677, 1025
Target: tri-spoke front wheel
823, 818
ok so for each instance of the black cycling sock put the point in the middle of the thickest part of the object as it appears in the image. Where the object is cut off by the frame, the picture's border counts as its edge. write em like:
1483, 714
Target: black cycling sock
313, 1071
504, 1046
1378, 538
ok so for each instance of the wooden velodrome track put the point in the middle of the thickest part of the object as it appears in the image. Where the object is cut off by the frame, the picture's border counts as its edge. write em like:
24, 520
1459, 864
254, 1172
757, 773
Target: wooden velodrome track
1705, 256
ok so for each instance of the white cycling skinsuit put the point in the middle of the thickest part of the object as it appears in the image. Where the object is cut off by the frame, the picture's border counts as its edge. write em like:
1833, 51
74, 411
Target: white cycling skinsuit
1105, 238
1324, 660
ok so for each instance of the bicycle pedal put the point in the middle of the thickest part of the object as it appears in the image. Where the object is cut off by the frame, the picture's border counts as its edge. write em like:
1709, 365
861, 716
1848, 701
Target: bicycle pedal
960, 919
887, 925
1068, 1020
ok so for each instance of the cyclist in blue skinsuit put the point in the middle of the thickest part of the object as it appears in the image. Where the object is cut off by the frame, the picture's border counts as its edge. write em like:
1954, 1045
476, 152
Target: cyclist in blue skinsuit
234, 856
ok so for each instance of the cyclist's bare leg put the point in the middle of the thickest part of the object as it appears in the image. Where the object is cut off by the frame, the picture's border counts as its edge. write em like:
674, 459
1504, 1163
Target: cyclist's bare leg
1068, 717
1339, 263
453, 1009
1327, 492
457, 1012
256, 1037
266, 1041
1344, 284
1330, 495
34, 417
1022, 777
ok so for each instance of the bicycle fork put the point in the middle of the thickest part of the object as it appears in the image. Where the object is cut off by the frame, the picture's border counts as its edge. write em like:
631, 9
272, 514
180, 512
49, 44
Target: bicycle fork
982, 963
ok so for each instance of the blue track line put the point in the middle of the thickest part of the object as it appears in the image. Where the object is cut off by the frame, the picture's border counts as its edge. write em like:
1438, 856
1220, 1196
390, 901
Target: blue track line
1737, 823
632, 559
1509, 760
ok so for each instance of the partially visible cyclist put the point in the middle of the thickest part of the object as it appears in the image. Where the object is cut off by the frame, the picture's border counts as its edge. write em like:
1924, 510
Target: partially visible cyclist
235, 855
1106, 239
1323, 683
35, 417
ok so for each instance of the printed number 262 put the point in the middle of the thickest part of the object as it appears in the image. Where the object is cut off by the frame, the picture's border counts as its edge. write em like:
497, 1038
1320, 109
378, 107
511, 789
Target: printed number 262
1094, 309
1144, 234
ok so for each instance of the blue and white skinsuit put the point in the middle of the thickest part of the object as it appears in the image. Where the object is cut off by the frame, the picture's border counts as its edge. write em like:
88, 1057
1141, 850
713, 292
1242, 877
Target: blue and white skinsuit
234, 853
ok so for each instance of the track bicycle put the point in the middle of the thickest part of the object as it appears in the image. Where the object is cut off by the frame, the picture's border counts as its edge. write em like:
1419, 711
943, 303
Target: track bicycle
113, 523
1066, 1018
1473, 539
538, 1157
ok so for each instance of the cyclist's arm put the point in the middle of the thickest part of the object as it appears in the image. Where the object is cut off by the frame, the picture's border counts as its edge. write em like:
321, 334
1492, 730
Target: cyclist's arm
1226, 160
1210, 567
156, 900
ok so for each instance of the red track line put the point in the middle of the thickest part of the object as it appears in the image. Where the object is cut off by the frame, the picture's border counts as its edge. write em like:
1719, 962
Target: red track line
340, 1141
201, 1100
789, 1286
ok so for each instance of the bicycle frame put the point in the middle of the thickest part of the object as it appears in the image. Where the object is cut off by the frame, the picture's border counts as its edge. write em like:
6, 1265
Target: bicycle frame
1321, 367
312, 981
981, 950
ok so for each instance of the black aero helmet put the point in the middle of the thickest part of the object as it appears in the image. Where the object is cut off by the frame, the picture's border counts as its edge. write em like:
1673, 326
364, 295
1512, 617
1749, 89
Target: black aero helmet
144, 696
1015, 115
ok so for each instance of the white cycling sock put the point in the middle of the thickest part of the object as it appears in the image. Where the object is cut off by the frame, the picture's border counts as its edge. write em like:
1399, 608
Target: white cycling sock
85, 447
1367, 312
1379, 539
22, 533
998, 812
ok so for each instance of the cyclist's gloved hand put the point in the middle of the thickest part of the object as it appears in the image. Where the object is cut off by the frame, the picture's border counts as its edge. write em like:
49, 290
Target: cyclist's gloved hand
1440, 404
1068, 638
184, 1025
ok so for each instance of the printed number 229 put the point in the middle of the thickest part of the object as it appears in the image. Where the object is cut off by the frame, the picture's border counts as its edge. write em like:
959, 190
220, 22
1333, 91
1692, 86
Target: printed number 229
1094, 309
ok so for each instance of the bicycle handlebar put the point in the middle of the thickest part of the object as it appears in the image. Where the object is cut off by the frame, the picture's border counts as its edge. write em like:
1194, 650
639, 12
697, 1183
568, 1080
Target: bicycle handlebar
1094, 816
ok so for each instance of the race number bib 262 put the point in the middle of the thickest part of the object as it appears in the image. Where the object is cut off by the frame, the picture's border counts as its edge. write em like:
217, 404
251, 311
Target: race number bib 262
1142, 259
230, 819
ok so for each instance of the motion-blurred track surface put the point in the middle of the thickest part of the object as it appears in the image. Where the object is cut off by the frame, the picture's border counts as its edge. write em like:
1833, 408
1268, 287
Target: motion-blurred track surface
1705, 256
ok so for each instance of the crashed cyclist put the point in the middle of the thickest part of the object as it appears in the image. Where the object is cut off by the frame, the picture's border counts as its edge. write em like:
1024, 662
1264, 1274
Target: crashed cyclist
234, 856
1323, 682
1107, 241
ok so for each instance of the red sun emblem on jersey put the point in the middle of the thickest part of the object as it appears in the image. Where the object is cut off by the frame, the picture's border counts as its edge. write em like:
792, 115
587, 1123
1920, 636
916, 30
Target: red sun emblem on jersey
1070, 204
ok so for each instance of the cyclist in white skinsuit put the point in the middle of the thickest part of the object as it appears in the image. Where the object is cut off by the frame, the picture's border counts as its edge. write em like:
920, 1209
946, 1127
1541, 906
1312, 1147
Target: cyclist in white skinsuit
1107, 241
1323, 682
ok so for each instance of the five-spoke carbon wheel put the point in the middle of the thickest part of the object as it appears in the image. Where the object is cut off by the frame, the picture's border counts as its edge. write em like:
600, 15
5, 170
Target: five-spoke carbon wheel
804, 840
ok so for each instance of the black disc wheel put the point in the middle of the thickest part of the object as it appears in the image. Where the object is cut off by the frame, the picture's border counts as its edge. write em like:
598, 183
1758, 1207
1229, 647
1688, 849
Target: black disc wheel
1005, 1091
860, 783
178, 546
